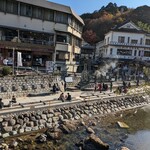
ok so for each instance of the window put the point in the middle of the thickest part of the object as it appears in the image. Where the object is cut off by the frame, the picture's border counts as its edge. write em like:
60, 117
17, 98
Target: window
139, 53
48, 15
61, 17
11, 7
147, 54
121, 39
37, 12
135, 53
124, 52
141, 41
2, 5
61, 38
111, 51
147, 42
128, 39
26, 10
134, 41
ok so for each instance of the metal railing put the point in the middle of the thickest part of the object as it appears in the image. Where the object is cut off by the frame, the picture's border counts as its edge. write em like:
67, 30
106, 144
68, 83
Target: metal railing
27, 40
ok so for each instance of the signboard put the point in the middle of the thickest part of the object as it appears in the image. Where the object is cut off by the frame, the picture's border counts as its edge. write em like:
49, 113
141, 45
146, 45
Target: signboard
68, 79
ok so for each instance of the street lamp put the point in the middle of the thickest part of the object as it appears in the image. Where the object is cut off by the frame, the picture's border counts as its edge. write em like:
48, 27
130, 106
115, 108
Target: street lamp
13, 61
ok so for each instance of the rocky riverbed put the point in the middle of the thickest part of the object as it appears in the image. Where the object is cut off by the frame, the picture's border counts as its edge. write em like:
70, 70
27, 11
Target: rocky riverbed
70, 127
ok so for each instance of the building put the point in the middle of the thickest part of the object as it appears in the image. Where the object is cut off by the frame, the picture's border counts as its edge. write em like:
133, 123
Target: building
42, 31
126, 42
125, 47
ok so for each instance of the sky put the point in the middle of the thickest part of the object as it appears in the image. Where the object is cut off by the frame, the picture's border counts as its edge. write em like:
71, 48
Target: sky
88, 6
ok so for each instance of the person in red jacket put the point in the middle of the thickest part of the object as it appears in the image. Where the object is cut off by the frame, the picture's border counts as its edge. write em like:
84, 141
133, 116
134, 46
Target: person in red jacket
100, 87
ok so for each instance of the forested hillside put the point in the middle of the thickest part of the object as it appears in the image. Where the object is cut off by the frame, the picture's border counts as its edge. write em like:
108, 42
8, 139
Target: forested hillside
101, 21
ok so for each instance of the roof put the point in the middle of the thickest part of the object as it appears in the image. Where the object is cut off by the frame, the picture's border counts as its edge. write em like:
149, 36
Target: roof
128, 26
53, 6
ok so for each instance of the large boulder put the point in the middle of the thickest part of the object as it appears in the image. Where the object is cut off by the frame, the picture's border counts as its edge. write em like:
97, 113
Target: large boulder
54, 134
95, 142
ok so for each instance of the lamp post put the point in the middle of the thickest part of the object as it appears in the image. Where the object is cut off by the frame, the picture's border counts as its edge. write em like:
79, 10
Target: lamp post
13, 60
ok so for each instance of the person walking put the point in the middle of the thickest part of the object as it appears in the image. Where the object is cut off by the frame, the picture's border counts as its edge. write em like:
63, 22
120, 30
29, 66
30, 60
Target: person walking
111, 86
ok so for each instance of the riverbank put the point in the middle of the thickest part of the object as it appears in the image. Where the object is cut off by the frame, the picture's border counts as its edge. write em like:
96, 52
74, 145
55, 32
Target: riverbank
66, 119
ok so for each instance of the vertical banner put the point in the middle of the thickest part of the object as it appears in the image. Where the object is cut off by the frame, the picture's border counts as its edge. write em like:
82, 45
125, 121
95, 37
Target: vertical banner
19, 59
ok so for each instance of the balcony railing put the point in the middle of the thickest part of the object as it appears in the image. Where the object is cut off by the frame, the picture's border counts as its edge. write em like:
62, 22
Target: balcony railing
27, 40
128, 44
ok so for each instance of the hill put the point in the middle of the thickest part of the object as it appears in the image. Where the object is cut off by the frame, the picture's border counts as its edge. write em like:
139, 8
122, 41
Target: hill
98, 23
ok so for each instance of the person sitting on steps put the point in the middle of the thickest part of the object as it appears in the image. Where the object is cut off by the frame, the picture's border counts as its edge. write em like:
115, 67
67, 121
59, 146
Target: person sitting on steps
68, 97
62, 97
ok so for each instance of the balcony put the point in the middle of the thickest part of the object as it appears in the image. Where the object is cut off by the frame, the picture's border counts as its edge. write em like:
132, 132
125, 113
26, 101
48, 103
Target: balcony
26, 40
128, 44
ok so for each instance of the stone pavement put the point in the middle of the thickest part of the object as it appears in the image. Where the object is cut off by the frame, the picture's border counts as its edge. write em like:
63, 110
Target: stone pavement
37, 102
29, 103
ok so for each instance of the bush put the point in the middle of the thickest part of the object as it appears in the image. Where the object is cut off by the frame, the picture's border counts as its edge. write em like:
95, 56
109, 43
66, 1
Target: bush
6, 70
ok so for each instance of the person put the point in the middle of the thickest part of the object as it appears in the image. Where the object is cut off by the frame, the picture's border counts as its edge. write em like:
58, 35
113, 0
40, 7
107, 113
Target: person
54, 88
129, 85
1, 103
111, 85
100, 87
13, 99
68, 97
62, 97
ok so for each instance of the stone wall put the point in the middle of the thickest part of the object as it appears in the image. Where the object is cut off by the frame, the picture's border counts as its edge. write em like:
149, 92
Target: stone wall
13, 124
22, 86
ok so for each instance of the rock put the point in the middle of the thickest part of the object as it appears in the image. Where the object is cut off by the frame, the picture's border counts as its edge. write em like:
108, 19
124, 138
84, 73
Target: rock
54, 135
94, 123
1, 119
43, 116
5, 124
42, 138
65, 129
12, 122
28, 129
13, 132
35, 128
13, 143
4, 146
42, 121
8, 128
95, 142
82, 123
90, 130
124, 148
5, 135
21, 130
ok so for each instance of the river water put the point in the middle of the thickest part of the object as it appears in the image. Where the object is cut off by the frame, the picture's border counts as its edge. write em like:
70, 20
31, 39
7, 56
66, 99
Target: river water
136, 137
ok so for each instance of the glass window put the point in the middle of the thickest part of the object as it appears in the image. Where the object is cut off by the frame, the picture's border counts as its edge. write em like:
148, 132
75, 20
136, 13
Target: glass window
147, 42
124, 52
134, 41
61, 38
11, 7
49, 15
37, 12
147, 54
2, 5
111, 51
25, 10
61, 17
121, 39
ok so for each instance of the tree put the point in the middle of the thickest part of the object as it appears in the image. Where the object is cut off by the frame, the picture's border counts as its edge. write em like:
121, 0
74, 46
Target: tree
90, 37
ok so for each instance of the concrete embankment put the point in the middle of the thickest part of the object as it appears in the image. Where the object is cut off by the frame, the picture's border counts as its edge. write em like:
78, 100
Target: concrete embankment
17, 123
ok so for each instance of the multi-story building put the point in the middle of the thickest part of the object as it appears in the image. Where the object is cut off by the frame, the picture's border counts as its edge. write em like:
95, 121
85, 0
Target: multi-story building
125, 42
42, 31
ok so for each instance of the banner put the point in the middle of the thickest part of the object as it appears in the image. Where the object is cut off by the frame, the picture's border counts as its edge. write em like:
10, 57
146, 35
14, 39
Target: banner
19, 59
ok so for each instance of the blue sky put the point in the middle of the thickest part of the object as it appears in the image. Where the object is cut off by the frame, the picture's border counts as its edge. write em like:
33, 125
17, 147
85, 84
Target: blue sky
88, 6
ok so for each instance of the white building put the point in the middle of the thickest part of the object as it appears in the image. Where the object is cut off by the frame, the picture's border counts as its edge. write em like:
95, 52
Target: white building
42, 31
125, 42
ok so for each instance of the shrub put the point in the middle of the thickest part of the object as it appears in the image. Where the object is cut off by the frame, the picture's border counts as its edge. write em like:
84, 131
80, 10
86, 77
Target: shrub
6, 70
